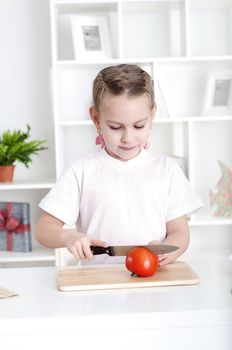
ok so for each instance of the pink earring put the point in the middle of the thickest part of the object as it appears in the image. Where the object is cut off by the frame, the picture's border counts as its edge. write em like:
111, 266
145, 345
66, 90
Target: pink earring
147, 145
99, 139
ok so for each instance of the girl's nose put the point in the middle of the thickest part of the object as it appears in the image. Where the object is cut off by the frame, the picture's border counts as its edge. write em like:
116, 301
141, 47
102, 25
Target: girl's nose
127, 135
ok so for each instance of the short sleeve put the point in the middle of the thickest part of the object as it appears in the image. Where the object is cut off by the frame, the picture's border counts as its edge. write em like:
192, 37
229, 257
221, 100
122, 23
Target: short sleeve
63, 200
182, 199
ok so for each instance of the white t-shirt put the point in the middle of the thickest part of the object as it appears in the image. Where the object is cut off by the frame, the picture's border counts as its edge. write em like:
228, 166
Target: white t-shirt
121, 203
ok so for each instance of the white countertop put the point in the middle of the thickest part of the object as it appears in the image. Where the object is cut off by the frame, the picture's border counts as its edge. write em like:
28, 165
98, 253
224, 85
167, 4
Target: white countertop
40, 307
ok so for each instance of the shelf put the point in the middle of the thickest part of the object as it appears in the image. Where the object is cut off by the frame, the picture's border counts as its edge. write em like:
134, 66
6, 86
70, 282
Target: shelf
70, 6
171, 83
61, 63
63, 11
29, 185
160, 22
210, 19
193, 119
197, 119
174, 80
75, 122
212, 221
191, 58
37, 254
112, 61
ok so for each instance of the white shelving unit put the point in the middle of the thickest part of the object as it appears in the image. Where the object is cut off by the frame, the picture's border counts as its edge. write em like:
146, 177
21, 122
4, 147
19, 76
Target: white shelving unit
181, 44
30, 191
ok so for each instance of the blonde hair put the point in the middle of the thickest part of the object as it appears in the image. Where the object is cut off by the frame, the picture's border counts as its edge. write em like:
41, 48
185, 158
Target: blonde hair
122, 79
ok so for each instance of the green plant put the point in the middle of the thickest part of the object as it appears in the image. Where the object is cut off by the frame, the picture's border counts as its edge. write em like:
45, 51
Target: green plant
15, 147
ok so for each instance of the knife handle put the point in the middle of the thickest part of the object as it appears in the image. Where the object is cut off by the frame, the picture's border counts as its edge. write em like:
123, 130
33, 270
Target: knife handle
96, 250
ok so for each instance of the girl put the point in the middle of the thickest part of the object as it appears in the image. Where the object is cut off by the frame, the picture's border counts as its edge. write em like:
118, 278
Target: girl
119, 195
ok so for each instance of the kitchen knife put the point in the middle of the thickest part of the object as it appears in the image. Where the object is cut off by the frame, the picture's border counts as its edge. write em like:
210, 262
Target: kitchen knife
124, 249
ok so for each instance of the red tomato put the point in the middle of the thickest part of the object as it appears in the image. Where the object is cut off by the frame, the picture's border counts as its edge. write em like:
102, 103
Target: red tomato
142, 262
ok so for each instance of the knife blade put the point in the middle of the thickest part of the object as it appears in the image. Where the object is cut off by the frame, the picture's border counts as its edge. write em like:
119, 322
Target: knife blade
123, 250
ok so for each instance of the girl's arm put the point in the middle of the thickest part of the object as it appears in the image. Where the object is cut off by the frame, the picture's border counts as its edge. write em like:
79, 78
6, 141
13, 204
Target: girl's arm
51, 234
177, 234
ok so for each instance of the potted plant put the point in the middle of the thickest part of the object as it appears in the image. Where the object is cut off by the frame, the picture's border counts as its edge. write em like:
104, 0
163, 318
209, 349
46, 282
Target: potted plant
15, 147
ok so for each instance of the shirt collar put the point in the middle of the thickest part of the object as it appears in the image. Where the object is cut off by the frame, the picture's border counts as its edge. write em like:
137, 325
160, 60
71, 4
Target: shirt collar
143, 154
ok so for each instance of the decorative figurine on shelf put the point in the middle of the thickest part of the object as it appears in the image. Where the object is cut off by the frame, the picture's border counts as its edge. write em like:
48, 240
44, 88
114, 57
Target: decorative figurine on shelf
15, 147
222, 200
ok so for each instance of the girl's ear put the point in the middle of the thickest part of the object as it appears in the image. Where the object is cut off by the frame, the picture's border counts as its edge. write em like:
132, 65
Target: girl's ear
94, 116
153, 112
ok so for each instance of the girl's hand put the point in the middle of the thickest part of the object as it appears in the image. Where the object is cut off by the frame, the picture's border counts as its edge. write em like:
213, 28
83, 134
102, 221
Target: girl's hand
79, 245
164, 259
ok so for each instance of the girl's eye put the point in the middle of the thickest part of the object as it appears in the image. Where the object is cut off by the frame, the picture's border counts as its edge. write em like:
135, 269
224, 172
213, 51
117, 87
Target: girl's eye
114, 127
139, 126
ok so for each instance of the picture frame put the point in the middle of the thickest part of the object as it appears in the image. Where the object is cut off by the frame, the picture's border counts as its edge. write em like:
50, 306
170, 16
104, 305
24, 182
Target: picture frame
218, 95
91, 37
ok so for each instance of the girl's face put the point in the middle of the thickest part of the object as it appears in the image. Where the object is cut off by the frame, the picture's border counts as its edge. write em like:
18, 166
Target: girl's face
125, 124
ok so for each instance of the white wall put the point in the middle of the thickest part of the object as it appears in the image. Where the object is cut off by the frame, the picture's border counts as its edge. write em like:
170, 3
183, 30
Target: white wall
25, 68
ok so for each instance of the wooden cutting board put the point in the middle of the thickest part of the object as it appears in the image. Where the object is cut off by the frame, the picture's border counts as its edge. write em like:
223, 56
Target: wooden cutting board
117, 276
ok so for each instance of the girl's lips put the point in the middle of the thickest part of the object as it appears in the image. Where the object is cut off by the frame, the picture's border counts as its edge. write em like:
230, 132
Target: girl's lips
128, 148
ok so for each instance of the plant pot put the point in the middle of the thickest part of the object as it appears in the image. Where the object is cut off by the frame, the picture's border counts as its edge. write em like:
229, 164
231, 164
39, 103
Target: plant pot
6, 173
